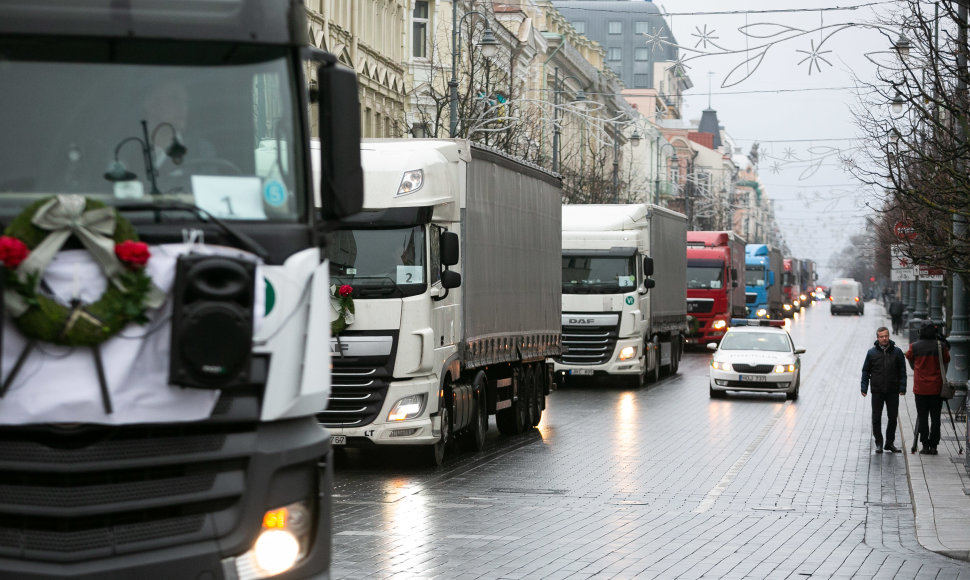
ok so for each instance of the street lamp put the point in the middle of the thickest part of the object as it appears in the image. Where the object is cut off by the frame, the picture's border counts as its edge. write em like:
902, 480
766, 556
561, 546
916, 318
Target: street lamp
557, 87
489, 46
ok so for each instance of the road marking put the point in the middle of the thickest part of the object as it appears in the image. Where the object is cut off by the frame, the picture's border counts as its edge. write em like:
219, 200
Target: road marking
708, 502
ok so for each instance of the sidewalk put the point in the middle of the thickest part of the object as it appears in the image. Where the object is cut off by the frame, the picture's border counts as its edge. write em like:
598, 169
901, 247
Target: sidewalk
937, 482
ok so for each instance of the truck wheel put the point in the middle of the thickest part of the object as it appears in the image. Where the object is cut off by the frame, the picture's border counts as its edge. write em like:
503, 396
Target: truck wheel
676, 350
655, 373
474, 436
436, 453
540, 393
509, 419
528, 399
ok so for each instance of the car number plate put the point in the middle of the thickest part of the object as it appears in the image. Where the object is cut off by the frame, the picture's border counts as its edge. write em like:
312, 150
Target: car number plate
338, 439
586, 372
753, 378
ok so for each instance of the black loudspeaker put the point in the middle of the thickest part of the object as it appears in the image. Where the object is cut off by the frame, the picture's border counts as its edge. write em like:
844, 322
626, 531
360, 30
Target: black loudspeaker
212, 322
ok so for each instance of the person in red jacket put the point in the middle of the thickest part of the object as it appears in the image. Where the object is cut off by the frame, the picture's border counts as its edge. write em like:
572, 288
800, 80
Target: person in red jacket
924, 358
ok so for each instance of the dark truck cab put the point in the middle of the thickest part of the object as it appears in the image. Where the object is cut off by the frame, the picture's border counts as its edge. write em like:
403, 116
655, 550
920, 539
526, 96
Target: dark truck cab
201, 457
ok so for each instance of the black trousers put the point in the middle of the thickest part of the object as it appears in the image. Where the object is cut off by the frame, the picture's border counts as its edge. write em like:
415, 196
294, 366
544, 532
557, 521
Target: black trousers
891, 402
928, 409
897, 323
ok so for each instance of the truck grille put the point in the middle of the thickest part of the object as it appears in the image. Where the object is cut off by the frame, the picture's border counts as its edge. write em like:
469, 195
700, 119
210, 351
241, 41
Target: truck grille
750, 298
94, 492
756, 369
356, 396
588, 345
701, 306
358, 384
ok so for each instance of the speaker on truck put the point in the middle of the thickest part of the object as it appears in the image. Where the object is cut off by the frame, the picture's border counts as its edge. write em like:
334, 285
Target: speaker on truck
212, 322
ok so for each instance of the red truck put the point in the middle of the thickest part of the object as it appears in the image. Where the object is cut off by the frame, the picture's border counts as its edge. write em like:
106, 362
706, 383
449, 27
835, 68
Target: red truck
715, 293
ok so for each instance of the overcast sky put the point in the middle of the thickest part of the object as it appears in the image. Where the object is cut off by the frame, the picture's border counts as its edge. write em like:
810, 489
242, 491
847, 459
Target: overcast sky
803, 121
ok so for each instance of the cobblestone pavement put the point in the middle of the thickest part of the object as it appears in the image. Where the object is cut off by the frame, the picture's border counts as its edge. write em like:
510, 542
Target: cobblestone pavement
660, 482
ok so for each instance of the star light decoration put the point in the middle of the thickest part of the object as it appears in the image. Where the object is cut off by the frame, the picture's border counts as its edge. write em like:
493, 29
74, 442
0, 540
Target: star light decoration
789, 153
656, 40
704, 37
814, 57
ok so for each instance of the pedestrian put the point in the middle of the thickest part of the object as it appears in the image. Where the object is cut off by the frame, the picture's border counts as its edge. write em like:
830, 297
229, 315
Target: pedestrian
884, 371
896, 309
924, 358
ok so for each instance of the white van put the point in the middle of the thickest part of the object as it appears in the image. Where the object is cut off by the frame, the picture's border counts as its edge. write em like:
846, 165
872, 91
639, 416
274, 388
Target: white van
845, 295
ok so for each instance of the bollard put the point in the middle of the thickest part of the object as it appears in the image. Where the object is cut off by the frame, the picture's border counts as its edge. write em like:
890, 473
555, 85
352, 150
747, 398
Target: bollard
913, 327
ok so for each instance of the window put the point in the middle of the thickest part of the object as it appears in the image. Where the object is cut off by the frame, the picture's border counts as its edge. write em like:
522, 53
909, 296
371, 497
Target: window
641, 53
615, 53
580, 27
642, 27
641, 81
616, 27
419, 30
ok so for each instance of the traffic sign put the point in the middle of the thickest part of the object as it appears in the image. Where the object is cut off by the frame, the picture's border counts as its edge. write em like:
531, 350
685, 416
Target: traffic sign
926, 273
904, 230
907, 275
898, 258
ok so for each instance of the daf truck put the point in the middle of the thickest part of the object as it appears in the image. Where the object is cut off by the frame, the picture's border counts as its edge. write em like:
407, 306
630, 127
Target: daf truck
624, 292
762, 277
453, 272
715, 284
161, 367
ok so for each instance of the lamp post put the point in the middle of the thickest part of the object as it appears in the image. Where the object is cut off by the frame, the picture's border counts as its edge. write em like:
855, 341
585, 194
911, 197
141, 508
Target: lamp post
634, 141
489, 46
557, 87
959, 337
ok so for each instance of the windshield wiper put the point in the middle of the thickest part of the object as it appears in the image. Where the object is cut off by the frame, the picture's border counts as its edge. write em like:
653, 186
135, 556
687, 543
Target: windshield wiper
240, 237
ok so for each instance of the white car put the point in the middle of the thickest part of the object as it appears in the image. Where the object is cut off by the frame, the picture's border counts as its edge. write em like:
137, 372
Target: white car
758, 358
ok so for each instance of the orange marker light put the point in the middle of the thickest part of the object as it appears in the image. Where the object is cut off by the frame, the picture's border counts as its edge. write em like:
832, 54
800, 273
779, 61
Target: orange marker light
275, 519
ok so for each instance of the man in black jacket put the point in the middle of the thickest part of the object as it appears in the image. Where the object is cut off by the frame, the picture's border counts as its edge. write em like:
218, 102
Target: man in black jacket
896, 309
884, 371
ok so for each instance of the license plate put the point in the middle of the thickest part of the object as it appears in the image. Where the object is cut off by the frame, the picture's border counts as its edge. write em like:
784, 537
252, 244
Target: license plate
585, 372
338, 439
753, 378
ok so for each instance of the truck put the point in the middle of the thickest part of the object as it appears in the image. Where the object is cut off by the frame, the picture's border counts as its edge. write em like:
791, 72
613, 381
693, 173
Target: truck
453, 270
807, 277
791, 286
624, 292
762, 279
715, 289
161, 355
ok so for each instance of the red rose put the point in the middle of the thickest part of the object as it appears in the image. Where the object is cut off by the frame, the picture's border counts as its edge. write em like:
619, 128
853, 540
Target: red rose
346, 290
12, 251
133, 253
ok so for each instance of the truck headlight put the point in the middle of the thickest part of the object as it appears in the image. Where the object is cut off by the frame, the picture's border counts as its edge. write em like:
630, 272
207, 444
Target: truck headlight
761, 313
281, 544
784, 368
407, 408
719, 324
627, 352
787, 306
412, 181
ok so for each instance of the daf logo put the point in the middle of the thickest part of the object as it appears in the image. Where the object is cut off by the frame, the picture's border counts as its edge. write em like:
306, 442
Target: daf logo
582, 320
339, 347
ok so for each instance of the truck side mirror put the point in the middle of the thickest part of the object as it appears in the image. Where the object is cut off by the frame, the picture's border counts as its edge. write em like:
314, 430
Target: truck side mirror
647, 266
341, 176
450, 279
771, 278
734, 277
649, 283
449, 249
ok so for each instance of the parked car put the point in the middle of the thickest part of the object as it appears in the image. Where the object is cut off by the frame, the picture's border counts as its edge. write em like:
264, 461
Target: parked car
756, 357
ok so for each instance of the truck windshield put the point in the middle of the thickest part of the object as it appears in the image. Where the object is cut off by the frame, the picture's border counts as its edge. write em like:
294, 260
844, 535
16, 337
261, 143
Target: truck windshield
386, 263
705, 276
598, 274
211, 124
754, 276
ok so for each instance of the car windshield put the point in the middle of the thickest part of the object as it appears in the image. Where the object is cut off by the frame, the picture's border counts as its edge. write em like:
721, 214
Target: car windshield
598, 274
770, 341
211, 124
381, 263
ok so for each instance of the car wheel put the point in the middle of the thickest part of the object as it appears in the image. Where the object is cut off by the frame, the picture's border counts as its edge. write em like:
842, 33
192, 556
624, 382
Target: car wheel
793, 395
715, 394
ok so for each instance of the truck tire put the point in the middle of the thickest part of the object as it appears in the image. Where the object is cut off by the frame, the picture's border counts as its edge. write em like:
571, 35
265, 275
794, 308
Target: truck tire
436, 452
540, 392
655, 373
473, 439
676, 349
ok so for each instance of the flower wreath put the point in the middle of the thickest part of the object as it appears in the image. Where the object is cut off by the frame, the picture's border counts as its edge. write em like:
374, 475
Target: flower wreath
32, 240
343, 302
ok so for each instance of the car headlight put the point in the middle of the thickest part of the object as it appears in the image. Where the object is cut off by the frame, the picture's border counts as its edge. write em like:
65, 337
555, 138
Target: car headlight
761, 313
719, 324
627, 352
721, 366
281, 544
804, 297
785, 368
407, 408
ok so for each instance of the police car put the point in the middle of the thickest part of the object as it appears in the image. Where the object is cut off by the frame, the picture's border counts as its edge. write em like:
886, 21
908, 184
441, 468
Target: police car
757, 356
